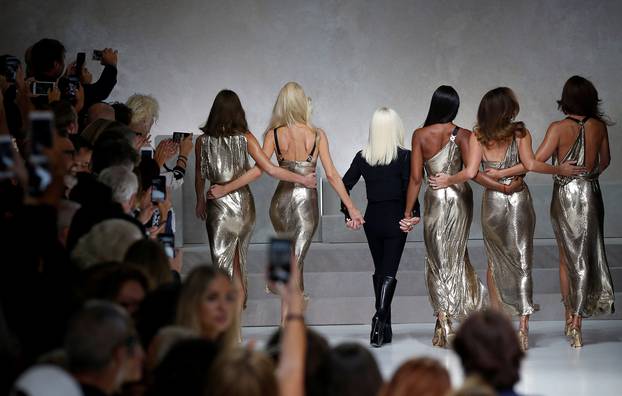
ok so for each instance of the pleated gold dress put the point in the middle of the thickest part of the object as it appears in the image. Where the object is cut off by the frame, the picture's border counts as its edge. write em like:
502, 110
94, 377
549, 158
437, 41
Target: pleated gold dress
508, 224
453, 284
294, 210
577, 214
230, 219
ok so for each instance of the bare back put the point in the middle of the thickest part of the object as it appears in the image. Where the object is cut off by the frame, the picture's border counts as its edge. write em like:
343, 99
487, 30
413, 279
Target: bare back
433, 138
567, 132
296, 143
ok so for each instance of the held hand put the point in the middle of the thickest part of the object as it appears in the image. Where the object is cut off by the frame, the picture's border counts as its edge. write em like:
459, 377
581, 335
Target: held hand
356, 217
351, 224
54, 94
515, 186
310, 181
438, 181
407, 223
201, 209
569, 168
494, 173
217, 191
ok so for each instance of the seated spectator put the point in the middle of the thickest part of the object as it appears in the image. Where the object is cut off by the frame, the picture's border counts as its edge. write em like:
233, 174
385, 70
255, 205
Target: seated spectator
65, 118
105, 242
164, 340
122, 113
149, 256
46, 380
207, 305
355, 371
487, 346
242, 372
102, 349
420, 376
124, 185
183, 371
145, 112
100, 111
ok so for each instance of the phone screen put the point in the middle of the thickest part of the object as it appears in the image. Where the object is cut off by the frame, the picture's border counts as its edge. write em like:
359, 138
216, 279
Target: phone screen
40, 88
179, 136
146, 152
158, 189
168, 241
279, 269
6, 157
41, 133
97, 55
80, 60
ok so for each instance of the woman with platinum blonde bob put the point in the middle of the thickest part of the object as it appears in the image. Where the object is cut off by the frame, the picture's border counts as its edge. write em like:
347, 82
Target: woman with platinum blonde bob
384, 164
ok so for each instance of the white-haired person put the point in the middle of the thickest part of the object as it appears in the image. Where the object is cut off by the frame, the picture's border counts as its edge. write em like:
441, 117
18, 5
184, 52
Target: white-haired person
123, 183
384, 164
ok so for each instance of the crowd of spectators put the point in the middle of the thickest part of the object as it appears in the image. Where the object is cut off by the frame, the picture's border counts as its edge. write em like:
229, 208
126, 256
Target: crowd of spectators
91, 296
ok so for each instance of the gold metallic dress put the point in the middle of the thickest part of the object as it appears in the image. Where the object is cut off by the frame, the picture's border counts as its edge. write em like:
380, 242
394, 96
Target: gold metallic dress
230, 219
453, 285
508, 224
577, 214
294, 208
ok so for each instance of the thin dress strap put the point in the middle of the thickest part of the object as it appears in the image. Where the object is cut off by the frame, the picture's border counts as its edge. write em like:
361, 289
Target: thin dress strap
279, 156
310, 156
580, 122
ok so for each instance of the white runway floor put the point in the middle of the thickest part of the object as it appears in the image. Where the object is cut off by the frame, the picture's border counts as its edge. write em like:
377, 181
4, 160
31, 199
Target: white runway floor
551, 367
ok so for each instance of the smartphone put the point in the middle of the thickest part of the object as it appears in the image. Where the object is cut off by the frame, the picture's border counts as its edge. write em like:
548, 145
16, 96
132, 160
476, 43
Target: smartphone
179, 136
41, 88
41, 130
168, 241
69, 87
10, 66
80, 60
98, 55
158, 189
7, 161
279, 261
146, 152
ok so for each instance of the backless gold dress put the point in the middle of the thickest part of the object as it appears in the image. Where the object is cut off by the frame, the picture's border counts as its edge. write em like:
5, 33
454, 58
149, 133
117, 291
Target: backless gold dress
577, 215
453, 284
231, 218
294, 208
508, 224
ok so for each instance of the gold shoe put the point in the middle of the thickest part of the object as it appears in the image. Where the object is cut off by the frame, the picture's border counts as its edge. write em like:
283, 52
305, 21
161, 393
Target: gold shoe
576, 338
446, 332
523, 340
438, 334
567, 327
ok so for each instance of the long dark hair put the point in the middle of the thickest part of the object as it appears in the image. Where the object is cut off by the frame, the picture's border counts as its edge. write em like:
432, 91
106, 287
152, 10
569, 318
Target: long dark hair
580, 97
443, 106
227, 117
495, 117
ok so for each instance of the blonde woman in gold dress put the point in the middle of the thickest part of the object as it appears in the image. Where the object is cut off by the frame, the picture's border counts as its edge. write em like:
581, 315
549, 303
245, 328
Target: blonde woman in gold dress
577, 210
508, 220
229, 213
441, 147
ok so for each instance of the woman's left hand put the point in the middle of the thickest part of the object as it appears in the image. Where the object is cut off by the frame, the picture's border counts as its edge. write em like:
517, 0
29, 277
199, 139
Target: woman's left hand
216, 191
438, 181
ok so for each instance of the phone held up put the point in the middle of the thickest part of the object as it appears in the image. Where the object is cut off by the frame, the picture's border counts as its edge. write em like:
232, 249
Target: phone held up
41, 138
158, 189
279, 260
168, 242
41, 88
7, 161
179, 136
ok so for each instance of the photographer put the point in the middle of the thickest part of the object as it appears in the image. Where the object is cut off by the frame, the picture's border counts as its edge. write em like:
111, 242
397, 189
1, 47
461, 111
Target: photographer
100, 90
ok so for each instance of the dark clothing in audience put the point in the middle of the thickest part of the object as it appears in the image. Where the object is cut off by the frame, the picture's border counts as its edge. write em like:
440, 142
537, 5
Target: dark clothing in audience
12, 113
101, 89
88, 390
157, 310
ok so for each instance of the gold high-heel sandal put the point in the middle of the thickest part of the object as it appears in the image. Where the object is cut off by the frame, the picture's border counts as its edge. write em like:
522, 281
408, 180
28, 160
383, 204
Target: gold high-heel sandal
438, 334
523, 339
446, 332
576, 338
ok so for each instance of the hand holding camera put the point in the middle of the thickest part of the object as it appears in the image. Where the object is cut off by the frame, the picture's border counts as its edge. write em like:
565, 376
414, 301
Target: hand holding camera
108, 57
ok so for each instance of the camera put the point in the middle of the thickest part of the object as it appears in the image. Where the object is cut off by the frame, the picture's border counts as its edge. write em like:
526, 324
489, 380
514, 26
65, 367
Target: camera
69, 87
279, 260
179, 136
158, 189
41, 88
10, 64
98, 55
168, 242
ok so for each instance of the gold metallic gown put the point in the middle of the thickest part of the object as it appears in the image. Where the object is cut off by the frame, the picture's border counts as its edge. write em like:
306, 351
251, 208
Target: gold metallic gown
230, 219
508, 224
577, 214
453, 285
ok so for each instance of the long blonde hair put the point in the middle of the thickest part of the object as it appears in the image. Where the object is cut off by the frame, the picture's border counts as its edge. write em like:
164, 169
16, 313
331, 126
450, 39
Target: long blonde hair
192, 293
292, 106
386, 134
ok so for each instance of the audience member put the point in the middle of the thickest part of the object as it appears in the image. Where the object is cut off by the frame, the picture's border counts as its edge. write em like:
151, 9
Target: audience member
83, 153
242, 372
111, 152
102, 349
47, 60
487, 346
92, 131
65, 118
163, 341
474, 386
145, 112
46, 380
122, 113
420, 376
123, 183
355, 371
106, 241
149, 256
100, 111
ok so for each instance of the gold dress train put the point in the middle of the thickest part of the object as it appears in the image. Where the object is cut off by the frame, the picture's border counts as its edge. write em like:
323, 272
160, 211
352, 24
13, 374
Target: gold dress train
508, 224
453, 284
230, 219
577, 215
294, 208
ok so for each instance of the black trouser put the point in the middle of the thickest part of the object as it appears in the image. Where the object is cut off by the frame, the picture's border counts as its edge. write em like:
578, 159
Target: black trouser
385, 239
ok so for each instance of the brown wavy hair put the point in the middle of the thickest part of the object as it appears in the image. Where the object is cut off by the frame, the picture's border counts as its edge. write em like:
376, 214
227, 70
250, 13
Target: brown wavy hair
580, 97
419, 376
495, 117
226, 117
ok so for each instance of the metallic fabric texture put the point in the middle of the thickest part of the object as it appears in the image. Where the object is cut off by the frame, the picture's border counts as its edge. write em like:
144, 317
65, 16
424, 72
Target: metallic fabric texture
577, 215
230, 219
508, 224
453, 285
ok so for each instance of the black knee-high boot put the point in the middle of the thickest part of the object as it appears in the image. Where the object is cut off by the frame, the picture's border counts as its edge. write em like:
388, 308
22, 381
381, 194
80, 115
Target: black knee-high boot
388, 331
386, 290
376, 281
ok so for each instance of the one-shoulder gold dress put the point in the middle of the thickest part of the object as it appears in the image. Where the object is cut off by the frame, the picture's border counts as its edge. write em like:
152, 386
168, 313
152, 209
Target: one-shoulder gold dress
230, 219
453, 284
508, 224
577, 215
294, 210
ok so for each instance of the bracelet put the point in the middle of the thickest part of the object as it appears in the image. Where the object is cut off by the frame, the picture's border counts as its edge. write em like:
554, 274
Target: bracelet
290, 317
182, 157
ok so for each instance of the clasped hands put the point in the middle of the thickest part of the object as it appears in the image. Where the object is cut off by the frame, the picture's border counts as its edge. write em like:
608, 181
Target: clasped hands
408, 223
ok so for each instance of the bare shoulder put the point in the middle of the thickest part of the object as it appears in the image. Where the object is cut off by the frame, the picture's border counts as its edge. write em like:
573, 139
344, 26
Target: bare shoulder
464, 134
419, 134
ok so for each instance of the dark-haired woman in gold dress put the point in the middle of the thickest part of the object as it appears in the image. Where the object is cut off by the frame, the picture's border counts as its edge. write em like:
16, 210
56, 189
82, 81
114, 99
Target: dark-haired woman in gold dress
508, 220
229, 213
577, 211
